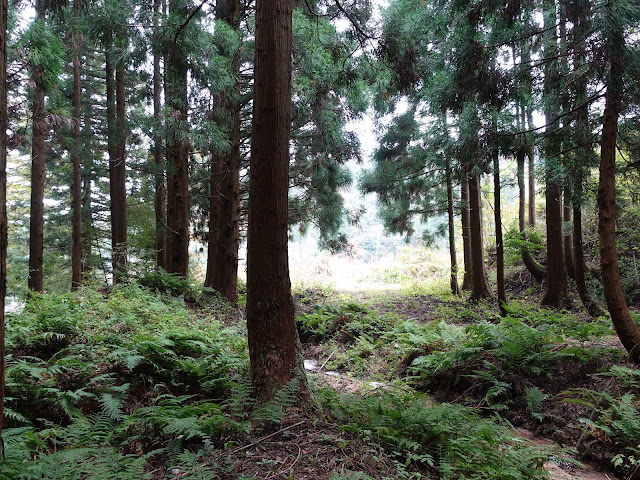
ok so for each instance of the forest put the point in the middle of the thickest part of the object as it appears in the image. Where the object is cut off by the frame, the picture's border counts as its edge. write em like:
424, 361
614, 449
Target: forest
158, 159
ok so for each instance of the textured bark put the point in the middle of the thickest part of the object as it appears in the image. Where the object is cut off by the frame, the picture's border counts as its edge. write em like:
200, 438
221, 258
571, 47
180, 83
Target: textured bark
530, 151
625, 327
580, 31
569, 261
466, 232
214, 220
536, 270
455, 289
3, 199
497, 211
479, 281
274, 347
226, 273
556, 273
116, 150
158, 158
177, 155
36, 224
76, 189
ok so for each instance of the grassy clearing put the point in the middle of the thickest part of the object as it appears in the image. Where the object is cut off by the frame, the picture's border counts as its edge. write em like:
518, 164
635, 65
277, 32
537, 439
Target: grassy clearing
134, 383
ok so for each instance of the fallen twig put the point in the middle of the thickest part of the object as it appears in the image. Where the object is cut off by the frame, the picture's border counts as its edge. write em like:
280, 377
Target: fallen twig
260, 440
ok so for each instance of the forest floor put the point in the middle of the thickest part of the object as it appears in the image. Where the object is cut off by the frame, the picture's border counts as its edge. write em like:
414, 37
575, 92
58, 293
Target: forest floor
407, 384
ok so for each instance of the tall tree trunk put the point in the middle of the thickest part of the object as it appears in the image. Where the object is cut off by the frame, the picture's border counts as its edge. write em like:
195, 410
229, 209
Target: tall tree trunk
556, 273
455, 289
177, 153
536, 270
530, 149
36, 224
569, 261
585, 151
214, 220
226, 277
76, 221
274, 347
625, 326
3, 201
479, 281
119, 213
87, 212
466, 231
497, 210
158, 158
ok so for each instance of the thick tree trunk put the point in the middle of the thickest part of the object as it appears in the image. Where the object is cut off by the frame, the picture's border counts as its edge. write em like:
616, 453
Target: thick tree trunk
479, 281
76, 219
36, 224
455, 289
214, 220
226, 273
274, 347
158, 158
625, 326
556, 273
580, 31
536, 270
466, 232
3, 199
497, 210
116, 150
177, 155
569, 261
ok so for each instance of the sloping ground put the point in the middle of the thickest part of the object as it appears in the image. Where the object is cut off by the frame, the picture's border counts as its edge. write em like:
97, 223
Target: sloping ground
565, 389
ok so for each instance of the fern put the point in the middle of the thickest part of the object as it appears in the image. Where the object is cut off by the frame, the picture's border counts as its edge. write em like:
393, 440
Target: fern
285, 398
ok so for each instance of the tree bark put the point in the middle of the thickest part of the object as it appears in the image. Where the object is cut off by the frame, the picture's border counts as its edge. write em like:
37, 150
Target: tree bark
274, 347
530, 150
625, 326
536, 270
580, 31
479, 281
36, 224
556, 273
177, 154
76, 220
466, 232
497, 210
158, 158
455, 289
569, 261
87, 214
226, 273
214, 220
3, 201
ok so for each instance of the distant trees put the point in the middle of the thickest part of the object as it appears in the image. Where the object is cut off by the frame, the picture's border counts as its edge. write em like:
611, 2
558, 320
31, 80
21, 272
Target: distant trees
4, 5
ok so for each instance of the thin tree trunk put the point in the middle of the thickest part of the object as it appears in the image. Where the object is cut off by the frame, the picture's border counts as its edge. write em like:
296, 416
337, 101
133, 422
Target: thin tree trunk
497, 210
569, 261
530, 150
625, 326
158, 158
36, 224
3, 203
87, 215
466, 232
479, 281
536, 270
226, 274
274, 347
76, 222
177, 155
214, 220
455, 289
